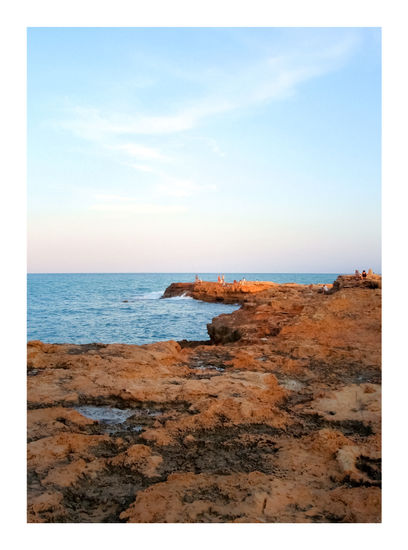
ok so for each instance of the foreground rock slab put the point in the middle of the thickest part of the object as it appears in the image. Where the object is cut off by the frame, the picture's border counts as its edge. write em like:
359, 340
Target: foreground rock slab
278, 419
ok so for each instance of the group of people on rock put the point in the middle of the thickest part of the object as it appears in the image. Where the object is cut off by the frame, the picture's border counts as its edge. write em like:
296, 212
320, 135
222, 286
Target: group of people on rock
221, 281
363, 274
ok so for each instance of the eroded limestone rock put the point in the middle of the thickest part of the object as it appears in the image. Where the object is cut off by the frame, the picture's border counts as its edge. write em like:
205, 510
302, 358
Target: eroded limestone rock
278, 420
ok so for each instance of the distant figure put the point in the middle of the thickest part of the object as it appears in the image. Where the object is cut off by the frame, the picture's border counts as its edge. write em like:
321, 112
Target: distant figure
364, 274
370, 273
223, 280
357, 274
219, 279
325, 289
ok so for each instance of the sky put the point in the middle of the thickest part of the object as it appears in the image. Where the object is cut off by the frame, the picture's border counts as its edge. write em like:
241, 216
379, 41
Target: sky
204, 150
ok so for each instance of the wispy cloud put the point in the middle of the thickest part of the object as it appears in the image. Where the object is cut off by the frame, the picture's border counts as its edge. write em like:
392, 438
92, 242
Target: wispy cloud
273, 78
138, 138
141, 208
183, 188
96, 124
142, 167
138, 151
125, 204
215, 148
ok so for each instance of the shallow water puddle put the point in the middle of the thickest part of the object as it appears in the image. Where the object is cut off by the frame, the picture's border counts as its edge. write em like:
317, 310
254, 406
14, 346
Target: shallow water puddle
201, 365
107, 415
289, 384
209, 367
113, 415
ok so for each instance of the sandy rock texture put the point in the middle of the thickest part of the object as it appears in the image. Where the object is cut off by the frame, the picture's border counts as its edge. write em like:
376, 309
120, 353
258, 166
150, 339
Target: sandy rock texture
277, 419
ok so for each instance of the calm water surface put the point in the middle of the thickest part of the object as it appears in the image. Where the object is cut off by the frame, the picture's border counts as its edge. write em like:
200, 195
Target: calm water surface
84, 308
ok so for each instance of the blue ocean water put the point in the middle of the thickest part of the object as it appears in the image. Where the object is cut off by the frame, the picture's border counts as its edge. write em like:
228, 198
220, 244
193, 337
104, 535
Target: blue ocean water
90, 307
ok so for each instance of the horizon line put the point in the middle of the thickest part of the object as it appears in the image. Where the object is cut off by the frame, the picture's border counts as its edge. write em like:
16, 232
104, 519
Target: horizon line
182, 272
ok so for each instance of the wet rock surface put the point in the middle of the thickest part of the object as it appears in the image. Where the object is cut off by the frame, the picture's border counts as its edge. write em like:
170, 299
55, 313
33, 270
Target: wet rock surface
277, 420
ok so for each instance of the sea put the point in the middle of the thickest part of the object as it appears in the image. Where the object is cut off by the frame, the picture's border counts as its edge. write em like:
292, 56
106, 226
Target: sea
82, 308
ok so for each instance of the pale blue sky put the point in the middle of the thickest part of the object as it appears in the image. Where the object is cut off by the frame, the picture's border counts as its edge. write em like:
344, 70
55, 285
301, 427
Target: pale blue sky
204, 149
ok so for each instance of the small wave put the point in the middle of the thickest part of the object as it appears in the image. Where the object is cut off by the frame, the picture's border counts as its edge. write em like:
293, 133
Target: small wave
155, 295
182, 297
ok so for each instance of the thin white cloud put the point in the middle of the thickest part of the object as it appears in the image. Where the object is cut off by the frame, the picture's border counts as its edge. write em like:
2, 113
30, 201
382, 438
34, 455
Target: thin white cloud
271, 79
138, 151
224, 91
141, 167
215, 148
96, 125
182, 188
141, 208
132, 205
113, 198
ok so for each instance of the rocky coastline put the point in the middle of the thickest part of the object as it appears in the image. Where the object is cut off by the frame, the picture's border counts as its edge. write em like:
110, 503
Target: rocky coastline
276, 419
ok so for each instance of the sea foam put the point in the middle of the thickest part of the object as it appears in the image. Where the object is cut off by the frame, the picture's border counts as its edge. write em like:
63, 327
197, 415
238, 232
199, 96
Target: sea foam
154, 295
182, 297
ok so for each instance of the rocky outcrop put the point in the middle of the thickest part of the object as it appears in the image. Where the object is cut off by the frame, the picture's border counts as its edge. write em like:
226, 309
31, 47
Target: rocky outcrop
229, 293
178, 289
278, 420
351, 281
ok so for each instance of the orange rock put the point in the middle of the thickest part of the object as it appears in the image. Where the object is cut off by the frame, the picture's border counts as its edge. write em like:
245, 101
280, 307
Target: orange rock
47, 451
46, 507
65, 475
139, 458
278, 419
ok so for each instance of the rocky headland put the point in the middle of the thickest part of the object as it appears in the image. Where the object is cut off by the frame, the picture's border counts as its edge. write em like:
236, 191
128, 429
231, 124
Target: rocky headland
276, 419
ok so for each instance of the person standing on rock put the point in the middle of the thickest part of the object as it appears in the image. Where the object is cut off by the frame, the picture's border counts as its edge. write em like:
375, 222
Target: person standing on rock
364, 274
219, 279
